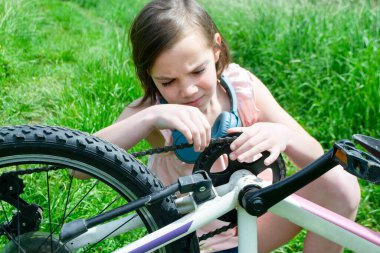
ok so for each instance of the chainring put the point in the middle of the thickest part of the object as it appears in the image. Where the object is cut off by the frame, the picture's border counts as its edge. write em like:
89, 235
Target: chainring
208, 157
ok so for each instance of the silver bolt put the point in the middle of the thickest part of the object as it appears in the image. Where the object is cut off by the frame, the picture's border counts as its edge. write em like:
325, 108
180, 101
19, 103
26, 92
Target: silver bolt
202, 189
10, 188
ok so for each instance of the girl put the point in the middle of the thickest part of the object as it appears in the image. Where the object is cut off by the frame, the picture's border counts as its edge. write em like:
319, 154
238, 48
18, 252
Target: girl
179, 56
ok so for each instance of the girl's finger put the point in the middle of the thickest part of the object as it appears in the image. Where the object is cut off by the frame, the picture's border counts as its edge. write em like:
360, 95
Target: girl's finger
274, 154
250, 153
206, 132
248, 144
235, 130
243, 138
198, 135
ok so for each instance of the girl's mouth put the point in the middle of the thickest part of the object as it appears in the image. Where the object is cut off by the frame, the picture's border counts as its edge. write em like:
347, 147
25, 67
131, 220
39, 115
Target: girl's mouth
194, 102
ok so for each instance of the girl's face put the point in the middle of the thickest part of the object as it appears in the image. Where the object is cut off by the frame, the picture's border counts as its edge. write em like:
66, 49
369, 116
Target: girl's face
186, 74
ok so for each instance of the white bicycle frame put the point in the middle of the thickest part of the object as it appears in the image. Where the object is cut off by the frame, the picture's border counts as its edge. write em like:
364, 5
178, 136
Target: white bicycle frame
294, 208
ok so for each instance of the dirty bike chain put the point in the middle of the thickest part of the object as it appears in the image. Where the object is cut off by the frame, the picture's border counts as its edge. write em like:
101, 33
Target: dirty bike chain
223, 140
218, 147
181, 146
144, 153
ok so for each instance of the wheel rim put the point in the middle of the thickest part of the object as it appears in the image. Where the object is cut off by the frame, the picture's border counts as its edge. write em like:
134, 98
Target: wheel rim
70, 205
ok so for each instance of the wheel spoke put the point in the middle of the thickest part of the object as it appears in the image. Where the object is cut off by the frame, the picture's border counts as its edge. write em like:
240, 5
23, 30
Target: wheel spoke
67, 201
38, 162
64, 216
80, 201
110, 204
50, 237
49, 207
4, 212
134, 216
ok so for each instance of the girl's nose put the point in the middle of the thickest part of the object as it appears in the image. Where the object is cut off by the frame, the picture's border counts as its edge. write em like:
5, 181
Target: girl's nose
189, 89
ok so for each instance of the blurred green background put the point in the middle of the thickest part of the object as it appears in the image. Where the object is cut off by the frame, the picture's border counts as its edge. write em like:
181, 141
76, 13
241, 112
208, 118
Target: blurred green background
67, 63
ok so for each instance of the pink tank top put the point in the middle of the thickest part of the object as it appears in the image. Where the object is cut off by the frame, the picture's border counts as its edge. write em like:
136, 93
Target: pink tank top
169, 168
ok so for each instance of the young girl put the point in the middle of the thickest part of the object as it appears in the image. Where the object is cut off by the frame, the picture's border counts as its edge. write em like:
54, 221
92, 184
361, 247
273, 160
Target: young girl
179, 56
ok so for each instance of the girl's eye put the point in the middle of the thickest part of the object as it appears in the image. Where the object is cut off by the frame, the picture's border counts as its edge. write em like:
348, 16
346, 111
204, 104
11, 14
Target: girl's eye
167, 83
198, 72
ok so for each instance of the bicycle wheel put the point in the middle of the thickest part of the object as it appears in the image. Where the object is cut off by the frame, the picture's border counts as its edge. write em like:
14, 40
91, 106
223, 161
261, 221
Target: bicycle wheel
39, 194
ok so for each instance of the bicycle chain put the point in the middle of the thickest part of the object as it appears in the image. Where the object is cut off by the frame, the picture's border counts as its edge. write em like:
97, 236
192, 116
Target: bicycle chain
135, 154
186, 145
213, 141
144, 153
217, 231
181, 146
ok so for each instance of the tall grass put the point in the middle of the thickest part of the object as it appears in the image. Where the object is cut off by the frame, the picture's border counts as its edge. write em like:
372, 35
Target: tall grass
319, 58
67, 63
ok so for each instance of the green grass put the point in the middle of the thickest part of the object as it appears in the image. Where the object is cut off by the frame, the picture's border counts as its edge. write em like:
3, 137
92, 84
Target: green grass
67, 63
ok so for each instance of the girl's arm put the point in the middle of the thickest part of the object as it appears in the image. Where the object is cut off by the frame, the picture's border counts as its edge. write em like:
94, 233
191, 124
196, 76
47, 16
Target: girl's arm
132, 126
301, 148
129, 129
275, 131
144, 122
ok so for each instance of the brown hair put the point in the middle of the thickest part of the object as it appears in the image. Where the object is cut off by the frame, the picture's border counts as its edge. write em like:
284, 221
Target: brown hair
158, 26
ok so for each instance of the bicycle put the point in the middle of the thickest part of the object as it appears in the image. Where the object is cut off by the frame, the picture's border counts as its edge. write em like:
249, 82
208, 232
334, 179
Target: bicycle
135, 203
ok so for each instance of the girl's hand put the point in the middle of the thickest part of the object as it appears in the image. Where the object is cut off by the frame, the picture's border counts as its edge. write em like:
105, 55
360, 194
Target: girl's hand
189, 120
257, 138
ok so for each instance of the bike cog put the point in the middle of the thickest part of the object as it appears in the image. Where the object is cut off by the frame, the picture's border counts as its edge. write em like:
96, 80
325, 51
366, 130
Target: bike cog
216, 150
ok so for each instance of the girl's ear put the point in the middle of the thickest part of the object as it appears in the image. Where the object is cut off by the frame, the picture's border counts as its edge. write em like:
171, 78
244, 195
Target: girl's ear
217, 46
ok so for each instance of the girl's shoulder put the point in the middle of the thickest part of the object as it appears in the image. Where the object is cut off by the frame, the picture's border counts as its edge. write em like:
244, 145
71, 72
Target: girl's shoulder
241, 79
239, 76
234, 70
245, 84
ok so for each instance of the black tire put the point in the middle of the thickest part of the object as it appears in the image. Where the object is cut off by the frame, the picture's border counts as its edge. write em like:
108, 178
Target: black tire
60, 152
